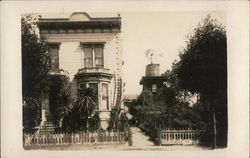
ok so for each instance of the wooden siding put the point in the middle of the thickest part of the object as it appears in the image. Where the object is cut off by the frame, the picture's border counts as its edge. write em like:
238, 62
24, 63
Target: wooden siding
70, 57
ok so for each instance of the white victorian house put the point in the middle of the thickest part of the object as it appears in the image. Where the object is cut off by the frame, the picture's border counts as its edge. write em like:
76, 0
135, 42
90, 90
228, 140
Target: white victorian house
90, 50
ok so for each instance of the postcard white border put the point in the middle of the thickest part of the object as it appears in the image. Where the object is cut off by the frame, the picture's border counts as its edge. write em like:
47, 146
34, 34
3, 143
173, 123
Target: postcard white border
237, 13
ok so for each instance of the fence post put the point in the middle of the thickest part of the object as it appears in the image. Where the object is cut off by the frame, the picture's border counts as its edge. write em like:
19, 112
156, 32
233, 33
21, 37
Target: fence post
130, 142
159, 136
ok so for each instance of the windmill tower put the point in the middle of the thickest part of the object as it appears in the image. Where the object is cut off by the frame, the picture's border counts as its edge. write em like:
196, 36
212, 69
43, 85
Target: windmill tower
153, 69
153, 81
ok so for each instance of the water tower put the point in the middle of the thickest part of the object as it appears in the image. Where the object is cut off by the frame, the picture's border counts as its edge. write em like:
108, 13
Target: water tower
152, 80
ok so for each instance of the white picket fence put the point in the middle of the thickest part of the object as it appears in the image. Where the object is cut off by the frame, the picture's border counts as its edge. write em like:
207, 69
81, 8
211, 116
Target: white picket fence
74, 138
172, 136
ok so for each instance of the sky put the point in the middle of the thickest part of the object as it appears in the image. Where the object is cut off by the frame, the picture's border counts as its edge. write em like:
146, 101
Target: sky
163, 32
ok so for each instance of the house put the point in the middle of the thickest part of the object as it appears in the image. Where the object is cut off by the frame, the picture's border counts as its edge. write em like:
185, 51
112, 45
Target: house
128, 98
89, 49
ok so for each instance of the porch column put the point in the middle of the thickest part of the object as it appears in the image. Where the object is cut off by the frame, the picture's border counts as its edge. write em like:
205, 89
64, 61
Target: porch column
45, 106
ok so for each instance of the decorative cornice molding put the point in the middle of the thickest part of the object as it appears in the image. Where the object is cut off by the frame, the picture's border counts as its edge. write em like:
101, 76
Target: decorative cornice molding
80, 21
97, 74
77, 31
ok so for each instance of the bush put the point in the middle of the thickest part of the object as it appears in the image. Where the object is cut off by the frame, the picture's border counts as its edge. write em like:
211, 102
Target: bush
82, 116
31, 114
118, 120
59, 97
94, 123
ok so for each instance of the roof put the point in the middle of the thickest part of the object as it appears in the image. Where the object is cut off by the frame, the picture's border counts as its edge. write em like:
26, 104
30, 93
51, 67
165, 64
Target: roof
79, 20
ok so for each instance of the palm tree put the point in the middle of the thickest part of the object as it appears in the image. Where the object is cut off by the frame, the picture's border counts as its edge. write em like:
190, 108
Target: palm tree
64, 109
86, 104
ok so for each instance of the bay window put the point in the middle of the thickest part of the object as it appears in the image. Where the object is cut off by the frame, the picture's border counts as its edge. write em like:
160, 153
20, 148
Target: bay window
101, 93
105, 98
94, 87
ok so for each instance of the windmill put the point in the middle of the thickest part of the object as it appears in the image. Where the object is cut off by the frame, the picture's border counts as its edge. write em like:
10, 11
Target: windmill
152, 55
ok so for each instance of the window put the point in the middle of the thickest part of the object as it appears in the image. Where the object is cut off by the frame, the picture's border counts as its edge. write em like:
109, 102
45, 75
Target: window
88, 56
105, 98
101, 93
154, 88
94, 87
54, 56
98, 50
82, 86
93, 55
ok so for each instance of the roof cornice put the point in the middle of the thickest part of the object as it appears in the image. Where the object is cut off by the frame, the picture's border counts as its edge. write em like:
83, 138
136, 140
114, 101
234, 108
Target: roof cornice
79, 21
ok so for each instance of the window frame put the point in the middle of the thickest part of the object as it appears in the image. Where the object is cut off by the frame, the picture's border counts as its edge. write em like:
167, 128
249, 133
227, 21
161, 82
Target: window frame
154, 89
84, 58
107, 97
94, 65
98, 91
57, 46
99, 94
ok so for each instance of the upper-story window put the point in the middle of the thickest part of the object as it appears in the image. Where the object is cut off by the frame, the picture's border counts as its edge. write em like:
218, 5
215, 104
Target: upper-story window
54, 56
93, 55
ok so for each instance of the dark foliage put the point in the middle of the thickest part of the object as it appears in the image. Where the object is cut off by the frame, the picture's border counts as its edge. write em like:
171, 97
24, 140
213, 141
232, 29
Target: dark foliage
83, 117
179, 113
35, 66
203, 64
59, 97
118, 120
202, 69
133, 110
35, 58
145, 98
31, 112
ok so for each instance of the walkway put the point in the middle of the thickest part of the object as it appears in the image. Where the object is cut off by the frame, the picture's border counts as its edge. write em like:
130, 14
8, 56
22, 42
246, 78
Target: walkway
139, 139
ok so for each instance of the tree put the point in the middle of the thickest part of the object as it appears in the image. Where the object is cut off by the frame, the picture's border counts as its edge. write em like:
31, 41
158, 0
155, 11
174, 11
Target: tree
82, 116
202, 69
86, 105
35, 66
59, 97
31, 113
145, 100
133, 109
179, 103
35, 58
118, 119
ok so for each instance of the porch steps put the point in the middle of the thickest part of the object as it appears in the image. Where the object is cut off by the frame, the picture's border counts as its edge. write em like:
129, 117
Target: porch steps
46, 127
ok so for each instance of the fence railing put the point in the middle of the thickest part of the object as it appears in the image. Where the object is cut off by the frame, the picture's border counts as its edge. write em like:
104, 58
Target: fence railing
75, 138
172, 136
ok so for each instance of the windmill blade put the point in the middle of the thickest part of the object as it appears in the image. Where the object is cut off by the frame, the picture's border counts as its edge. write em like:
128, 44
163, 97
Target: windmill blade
150, 55
161, 54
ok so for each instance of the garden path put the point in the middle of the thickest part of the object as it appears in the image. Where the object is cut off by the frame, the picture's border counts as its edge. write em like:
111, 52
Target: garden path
139, 139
